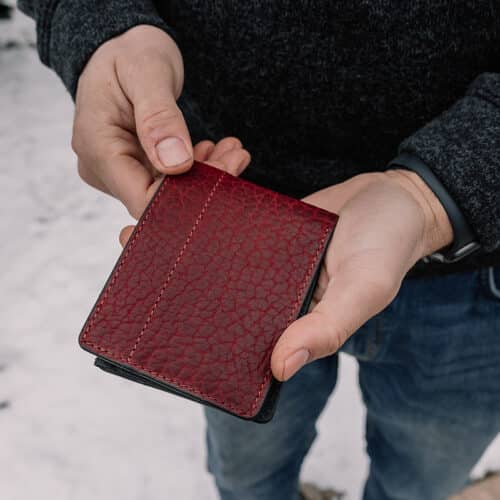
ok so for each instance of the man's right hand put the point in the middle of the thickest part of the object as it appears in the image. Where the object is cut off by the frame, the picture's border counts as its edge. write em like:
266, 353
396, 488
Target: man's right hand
128, 130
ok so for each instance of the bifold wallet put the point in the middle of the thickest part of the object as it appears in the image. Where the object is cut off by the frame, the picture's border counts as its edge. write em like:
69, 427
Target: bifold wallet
216, 269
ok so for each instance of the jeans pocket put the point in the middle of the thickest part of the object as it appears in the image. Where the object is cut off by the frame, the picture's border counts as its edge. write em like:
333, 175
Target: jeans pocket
494, 281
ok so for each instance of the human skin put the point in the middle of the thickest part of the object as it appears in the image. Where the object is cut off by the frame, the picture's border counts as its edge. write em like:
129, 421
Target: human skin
128, 130
129, 133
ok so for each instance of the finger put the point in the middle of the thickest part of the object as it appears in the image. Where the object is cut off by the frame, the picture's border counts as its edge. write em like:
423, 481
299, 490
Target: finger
88, 176
202, 150
233, 162
348, 302
225, 145
130, 182
125, 234
160, 124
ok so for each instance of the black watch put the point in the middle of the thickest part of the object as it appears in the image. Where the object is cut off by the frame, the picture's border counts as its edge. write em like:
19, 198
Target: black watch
464, 241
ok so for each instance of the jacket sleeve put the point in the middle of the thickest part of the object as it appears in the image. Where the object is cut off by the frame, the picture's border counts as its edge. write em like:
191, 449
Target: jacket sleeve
462, 147
69, 31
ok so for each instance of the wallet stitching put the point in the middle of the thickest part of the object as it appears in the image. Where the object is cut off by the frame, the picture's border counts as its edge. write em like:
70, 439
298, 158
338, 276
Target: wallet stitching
122, 262
172, 270
181, 385
204, 395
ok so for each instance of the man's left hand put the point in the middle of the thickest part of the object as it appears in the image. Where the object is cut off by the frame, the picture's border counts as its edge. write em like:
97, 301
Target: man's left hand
387, 222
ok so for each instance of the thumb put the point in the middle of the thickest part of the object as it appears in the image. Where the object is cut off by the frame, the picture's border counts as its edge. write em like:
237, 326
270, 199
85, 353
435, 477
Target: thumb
160, 124
348, 302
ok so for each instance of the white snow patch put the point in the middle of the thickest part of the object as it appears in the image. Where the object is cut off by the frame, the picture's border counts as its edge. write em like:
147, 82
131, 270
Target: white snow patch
18, 31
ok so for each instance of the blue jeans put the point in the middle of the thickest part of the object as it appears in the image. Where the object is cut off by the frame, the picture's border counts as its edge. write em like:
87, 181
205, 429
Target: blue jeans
429, 371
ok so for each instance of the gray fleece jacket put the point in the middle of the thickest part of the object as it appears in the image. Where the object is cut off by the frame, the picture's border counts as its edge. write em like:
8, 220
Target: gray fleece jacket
321, 91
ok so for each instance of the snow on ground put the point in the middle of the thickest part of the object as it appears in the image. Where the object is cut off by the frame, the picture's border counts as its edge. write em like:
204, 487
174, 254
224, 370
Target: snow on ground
67, 430
17, 32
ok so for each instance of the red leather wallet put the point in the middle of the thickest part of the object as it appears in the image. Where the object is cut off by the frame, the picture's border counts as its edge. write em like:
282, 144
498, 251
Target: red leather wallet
216, 269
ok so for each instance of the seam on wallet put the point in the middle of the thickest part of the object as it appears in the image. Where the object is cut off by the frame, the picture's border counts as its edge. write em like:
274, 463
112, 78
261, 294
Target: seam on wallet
123, 260
194, 391
174, 267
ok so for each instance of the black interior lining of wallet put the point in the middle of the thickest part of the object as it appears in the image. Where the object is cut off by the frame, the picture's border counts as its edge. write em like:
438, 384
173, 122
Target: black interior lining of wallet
129, 373
270, 401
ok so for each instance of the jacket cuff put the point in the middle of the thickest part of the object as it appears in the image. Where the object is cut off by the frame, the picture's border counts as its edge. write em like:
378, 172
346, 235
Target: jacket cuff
462, 147
69, 31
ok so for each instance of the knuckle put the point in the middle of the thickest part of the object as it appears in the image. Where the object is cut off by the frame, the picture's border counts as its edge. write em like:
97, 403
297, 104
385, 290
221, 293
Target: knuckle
246, 159
154, 120
83, 172
80, 135
75, 146
233, 142
335, 339
76, 139
333, 335
383, 288
134, 210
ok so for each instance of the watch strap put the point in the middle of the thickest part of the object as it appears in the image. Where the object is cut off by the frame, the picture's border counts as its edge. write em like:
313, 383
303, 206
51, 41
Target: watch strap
464, 240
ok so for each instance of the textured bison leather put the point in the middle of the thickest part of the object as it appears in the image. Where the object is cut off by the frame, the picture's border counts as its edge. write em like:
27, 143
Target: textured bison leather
214, 272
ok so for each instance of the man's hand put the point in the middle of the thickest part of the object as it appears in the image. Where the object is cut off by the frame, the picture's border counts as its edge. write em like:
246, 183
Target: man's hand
388, 221
128, 130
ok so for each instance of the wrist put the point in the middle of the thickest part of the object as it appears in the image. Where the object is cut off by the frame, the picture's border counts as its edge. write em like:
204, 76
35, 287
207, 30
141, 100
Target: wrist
438, 231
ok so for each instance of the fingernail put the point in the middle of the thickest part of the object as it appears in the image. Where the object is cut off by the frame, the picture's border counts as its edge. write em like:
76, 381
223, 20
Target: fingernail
295, 362
172, 152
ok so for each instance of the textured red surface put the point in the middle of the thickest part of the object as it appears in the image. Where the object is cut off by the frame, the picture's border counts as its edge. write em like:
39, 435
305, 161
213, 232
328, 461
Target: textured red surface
216, 269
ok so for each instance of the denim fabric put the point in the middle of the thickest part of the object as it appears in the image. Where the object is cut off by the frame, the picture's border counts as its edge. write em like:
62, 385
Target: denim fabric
429, 371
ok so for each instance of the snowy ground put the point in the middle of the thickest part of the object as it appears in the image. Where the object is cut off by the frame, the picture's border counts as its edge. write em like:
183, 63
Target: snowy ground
67, 430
